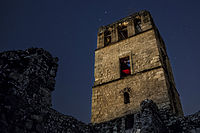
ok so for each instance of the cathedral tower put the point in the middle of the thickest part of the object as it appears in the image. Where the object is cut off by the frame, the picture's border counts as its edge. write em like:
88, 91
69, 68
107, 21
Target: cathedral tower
131, 65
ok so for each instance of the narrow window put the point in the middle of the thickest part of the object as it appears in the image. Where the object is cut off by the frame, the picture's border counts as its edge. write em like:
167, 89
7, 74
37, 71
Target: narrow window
122, 32
107, 37
146, 17
126, 98
137, 24
125, 66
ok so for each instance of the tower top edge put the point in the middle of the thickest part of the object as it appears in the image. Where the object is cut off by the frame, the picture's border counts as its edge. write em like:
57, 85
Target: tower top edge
124, 19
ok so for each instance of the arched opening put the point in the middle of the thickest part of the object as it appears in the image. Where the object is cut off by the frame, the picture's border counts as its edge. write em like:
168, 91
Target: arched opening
122, 31
137, 24
126, 98
107, 37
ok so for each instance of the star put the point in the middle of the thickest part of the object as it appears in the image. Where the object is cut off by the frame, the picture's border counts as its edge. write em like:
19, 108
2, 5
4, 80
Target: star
105, 12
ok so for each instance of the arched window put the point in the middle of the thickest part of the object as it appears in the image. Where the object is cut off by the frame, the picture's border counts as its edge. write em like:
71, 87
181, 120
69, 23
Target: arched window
107, 37
122, 31
126, 98
137, 24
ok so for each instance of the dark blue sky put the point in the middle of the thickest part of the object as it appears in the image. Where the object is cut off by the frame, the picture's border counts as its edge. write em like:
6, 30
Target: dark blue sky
68, 30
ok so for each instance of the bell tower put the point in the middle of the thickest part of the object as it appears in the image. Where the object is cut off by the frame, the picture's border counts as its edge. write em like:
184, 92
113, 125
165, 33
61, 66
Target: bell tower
131, 65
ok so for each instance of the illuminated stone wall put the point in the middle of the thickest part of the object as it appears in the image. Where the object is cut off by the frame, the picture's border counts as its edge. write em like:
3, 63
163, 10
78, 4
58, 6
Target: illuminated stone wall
151, 75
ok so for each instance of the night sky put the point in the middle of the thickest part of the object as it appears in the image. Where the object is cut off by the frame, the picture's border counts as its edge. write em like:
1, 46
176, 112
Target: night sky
68, 30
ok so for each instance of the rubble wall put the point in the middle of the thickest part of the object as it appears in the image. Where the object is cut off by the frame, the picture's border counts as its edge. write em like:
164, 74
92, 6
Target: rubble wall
27, 79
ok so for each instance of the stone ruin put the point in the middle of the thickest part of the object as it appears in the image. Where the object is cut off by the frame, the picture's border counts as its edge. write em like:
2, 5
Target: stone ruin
27, 79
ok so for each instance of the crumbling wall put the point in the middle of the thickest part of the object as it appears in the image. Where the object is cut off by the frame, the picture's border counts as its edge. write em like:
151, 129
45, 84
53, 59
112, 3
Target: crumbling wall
28, 74
27, 79
186, 124
151, 120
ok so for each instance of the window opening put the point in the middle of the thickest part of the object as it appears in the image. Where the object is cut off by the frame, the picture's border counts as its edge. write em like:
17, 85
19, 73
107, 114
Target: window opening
107, 37
146, 18
125, 66
126, 98
122, 31
137, 24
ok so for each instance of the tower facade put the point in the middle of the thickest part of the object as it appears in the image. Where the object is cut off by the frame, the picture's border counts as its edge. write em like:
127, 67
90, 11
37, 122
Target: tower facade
131, 65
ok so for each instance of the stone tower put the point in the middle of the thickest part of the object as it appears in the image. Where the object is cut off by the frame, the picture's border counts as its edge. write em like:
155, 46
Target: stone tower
131, 65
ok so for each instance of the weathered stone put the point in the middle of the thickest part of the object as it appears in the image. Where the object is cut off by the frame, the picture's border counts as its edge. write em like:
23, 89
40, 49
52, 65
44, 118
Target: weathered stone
150, 75
26, 81
29, 124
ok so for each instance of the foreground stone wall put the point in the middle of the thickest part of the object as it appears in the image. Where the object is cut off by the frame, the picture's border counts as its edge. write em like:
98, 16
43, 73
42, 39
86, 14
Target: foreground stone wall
26, 80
